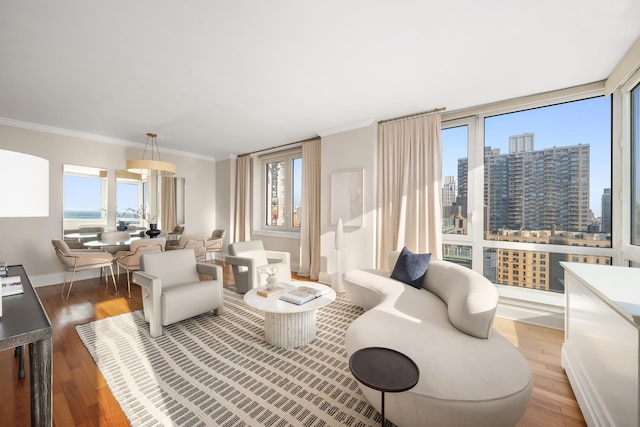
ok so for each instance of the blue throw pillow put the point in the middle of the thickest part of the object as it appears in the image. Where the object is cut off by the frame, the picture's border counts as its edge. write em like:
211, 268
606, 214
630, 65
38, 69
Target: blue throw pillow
411, 268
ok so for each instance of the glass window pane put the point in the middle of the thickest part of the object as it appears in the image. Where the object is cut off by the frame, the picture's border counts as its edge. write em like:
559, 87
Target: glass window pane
460, 254
532, 269
275, 178
297, 191
454, 180
127, 200
82, 197
635, 166
547, 174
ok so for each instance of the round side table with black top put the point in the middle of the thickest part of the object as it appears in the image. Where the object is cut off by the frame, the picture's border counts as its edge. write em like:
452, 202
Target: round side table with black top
384, 369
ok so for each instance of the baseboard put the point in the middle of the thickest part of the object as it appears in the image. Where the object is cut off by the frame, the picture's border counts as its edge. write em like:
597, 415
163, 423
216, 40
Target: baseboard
535, 313
57, 278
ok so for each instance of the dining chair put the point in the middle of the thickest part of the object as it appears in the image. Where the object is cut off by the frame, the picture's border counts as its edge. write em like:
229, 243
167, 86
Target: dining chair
75, 260
130, 260
113, 237
214, 244
191, 241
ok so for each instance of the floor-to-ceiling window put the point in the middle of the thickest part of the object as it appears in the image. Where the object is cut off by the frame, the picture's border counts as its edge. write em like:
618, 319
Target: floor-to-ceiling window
533, 188
456, 137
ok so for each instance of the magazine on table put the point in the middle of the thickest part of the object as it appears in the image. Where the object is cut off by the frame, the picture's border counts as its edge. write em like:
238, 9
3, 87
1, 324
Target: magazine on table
11, 286
304, 294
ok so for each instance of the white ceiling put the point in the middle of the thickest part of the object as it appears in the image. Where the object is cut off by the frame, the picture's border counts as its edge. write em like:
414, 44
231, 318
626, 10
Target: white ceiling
217, 78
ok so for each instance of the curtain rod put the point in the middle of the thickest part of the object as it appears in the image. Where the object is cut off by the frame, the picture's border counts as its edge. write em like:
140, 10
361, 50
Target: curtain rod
410, 116
278, 146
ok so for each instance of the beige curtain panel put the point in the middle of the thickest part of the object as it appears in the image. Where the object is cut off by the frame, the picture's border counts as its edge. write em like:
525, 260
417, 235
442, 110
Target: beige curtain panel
310, 227
409, 187
242, 220
168, 211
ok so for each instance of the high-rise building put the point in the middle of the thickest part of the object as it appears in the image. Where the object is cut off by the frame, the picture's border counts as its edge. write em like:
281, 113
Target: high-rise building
449, 191
534, 190
606, 211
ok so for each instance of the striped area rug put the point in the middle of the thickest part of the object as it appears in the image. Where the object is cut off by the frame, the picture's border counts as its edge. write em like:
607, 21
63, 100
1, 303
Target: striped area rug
217, 370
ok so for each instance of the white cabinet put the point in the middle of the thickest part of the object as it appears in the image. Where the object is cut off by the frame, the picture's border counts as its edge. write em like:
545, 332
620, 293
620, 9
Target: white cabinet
601, 350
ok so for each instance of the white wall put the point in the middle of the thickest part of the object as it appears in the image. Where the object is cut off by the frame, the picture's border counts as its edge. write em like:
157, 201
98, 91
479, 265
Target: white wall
27, 241
351, 150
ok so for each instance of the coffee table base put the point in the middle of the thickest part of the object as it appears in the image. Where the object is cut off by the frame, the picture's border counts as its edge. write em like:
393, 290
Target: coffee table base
290, 330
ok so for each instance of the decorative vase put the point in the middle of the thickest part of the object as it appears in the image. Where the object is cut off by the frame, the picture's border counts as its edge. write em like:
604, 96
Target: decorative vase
339, 234
121, 226
153, 231
271, 281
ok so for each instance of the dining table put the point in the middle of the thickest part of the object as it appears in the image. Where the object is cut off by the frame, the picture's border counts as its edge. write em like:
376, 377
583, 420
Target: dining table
111, 246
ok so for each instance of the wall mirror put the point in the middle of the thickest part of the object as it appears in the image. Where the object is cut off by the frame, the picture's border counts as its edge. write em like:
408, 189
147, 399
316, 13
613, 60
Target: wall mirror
131, 201
85, 199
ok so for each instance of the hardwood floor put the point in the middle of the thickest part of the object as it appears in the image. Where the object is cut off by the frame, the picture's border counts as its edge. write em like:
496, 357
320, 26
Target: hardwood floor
81, 396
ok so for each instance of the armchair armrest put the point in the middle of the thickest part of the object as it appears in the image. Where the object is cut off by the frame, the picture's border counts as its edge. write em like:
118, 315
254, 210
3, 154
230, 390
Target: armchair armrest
212, 270
152, 287
240, 261
280, 256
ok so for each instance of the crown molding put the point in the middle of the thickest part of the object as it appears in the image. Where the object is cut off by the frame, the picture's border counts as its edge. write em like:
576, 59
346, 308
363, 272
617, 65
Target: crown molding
96, 138
344, 128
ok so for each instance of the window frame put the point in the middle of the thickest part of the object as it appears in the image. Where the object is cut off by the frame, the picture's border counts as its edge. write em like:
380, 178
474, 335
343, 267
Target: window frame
286, 156
475, 235
630, 252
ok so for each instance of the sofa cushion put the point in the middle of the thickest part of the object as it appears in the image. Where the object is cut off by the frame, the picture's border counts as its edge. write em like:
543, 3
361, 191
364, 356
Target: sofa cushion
411, 268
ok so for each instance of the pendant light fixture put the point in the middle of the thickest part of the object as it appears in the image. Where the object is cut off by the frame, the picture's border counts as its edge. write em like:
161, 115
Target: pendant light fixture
145, 166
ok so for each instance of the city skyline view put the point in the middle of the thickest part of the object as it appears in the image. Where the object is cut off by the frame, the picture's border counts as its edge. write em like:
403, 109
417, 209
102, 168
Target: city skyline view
573, 123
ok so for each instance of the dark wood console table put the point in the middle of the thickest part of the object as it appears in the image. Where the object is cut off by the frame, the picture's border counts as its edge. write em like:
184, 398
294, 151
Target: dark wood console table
24, 321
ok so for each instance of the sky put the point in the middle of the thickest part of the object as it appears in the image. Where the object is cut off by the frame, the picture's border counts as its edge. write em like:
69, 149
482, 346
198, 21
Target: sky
82, 193
580, 122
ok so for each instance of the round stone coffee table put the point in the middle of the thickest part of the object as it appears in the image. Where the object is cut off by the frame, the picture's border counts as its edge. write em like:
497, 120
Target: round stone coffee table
288, 325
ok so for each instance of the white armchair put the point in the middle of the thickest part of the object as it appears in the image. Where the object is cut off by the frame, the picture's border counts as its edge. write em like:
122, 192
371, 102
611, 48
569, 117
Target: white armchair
172, 290
248, 258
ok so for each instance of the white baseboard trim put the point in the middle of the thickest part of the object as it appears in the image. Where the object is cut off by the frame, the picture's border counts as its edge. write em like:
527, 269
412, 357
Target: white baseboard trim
535, 313
57, 278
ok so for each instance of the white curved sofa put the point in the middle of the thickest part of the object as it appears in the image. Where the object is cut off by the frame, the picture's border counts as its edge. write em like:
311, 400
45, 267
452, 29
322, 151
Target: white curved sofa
470, 375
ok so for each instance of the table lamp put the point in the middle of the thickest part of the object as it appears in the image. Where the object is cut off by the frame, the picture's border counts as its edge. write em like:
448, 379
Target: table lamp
25, 187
